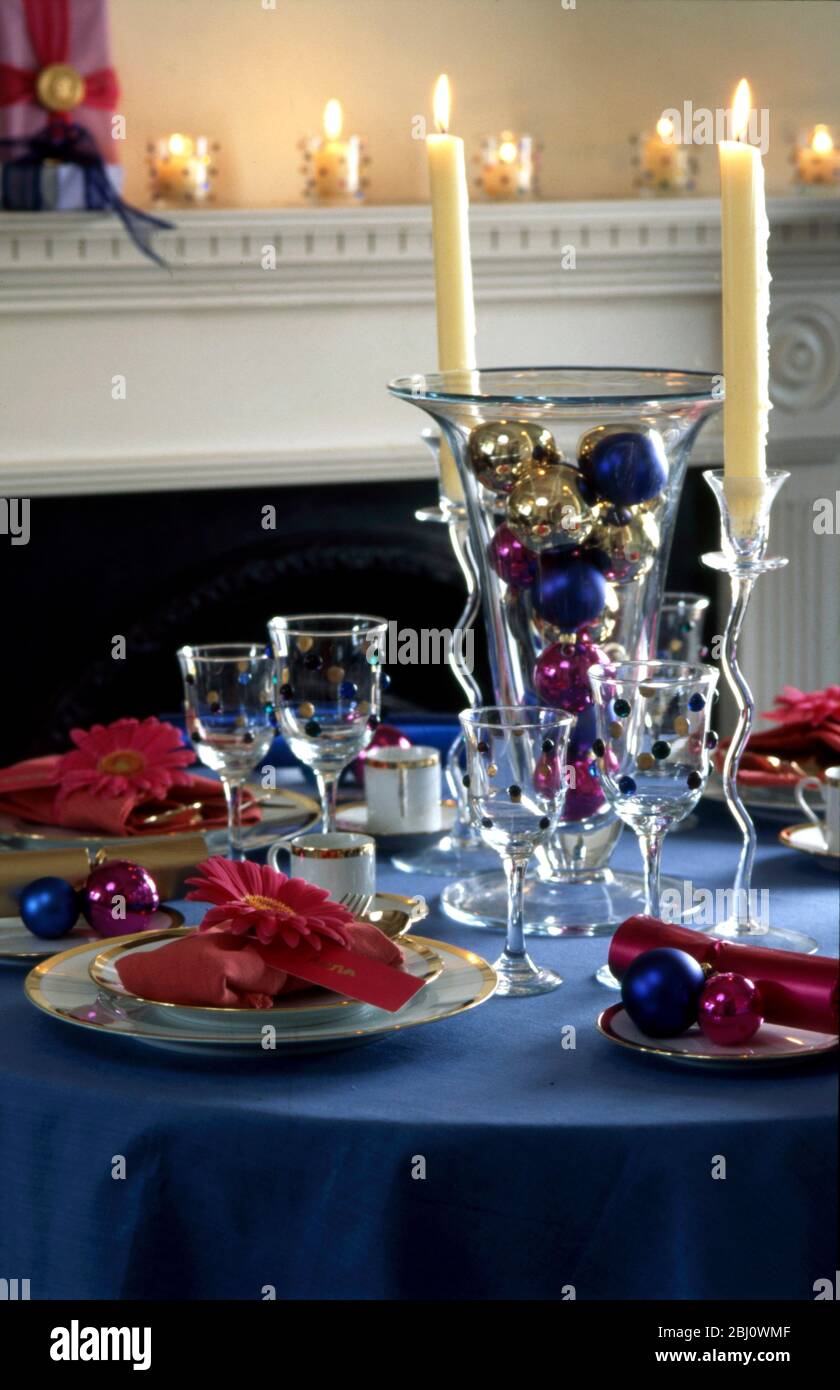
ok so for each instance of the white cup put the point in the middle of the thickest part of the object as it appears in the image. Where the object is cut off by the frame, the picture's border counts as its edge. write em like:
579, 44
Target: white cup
340, 862
830, 794
402, 790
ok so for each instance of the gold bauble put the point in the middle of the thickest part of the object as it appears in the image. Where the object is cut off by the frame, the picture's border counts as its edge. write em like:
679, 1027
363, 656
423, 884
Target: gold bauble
546, 509
629, 538
501, 449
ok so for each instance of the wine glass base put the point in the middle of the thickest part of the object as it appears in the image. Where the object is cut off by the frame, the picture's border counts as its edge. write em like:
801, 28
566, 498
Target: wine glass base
605, 977
519, 977
752, 933
452, 856
591, 904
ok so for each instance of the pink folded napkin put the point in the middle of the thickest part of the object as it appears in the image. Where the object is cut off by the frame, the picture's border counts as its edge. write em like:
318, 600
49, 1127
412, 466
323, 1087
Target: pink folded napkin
228, 970
805, 739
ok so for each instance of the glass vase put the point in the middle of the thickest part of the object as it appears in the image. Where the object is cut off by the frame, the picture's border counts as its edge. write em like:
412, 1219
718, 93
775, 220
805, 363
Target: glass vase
572, 478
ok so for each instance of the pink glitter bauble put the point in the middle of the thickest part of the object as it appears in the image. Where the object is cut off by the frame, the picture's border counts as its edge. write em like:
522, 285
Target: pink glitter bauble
561, 675
511, 560
119, 897
584, 797
730, 1010
385, 736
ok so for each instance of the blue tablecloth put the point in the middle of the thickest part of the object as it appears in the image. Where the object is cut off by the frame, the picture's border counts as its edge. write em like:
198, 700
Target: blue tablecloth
544, 1167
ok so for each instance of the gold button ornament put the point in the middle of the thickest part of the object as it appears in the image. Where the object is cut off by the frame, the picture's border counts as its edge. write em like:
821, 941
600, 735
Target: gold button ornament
59, 87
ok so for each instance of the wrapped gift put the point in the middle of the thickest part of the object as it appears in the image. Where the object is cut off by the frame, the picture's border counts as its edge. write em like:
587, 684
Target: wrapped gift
55, 68
33, 187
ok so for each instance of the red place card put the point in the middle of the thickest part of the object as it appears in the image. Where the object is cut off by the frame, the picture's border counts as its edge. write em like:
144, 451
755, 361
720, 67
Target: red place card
346, 972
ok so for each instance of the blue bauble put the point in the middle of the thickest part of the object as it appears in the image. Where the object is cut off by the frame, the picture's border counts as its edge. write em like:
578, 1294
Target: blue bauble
661, 991
49, 907
584, 731
569, 591
625, 466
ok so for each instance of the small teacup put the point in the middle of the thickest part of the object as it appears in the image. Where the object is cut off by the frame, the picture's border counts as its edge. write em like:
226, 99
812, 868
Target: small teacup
402, 790
830, 793
339, 861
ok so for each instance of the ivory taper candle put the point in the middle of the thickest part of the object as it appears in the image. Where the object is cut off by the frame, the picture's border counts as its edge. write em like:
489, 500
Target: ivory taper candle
453, 268
746, 305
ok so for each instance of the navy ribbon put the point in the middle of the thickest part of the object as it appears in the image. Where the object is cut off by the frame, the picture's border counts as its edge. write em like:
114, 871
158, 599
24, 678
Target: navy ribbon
72, 144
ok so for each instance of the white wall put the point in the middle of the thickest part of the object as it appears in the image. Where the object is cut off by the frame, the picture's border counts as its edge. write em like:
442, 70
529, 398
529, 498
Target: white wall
583, 79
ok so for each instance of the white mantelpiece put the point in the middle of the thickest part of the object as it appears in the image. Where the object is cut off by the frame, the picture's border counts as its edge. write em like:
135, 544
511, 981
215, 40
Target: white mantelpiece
237, 374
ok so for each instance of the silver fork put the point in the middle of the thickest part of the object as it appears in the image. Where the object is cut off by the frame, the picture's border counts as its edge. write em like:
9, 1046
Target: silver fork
357, 903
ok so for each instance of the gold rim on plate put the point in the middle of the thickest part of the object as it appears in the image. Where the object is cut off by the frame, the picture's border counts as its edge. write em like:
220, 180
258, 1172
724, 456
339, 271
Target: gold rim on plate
604, 1026
289, 1010
487, 975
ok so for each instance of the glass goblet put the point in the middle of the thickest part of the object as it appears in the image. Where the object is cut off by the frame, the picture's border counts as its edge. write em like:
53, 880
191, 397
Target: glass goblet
652, 751
329, 679
231, 720
516, 784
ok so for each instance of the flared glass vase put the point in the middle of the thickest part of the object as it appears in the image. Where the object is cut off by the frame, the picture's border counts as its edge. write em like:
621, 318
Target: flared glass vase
572, 477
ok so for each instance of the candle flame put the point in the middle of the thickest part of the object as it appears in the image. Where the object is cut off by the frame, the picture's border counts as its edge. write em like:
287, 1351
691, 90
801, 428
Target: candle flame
180, 145
333, 119
665, 129
821, 140
507, 148
741, 104
442, 105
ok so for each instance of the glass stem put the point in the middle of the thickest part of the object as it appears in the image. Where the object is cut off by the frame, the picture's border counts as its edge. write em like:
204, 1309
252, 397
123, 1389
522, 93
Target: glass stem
515, 939
233, 801
651, 846
327, 788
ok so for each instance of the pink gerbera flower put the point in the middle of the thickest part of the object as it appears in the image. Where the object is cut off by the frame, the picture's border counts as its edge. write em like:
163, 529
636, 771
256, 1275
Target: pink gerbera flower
253, 898
128, 755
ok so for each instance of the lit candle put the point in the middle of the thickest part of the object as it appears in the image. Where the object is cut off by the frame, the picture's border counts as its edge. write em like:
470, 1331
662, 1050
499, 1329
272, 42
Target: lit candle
665, 165
336, 161
507, 166
181, 169
453, 268
818, 161
746, 304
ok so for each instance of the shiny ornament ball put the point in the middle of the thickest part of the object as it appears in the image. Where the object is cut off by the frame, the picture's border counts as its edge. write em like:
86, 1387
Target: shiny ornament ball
49, 907
626, 551
582, 735
561, 675
569, 591
385, 736
511, 560
500, 450
623, 465
547, 510
119, 897
584, 796
661, 989
730, 1009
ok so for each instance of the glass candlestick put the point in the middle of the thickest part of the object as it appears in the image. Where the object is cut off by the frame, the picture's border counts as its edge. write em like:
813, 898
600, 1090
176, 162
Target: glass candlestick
461, 850
745, 505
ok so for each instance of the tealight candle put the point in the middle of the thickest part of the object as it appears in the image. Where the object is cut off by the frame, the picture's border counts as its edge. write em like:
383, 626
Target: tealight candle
402, 790
333, 162
181, 169
507, 166
663, 166
817, 159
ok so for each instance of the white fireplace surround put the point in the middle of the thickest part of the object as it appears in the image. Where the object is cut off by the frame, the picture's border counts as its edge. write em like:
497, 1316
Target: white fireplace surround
239, 375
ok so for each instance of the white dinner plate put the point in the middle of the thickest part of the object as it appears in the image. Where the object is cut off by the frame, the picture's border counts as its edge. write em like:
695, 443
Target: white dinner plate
292, 1011
353, 816
62, 988
18, 943
772, 1044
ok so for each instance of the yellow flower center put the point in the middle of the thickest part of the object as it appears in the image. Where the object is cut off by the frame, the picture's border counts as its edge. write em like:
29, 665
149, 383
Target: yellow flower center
123, 761
267, 904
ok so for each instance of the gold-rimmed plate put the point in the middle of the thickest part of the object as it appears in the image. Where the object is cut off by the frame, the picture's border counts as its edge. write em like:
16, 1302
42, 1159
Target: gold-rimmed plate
282, 813
300, 1009
809, 839
62, 988
19, 944
771, 1045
